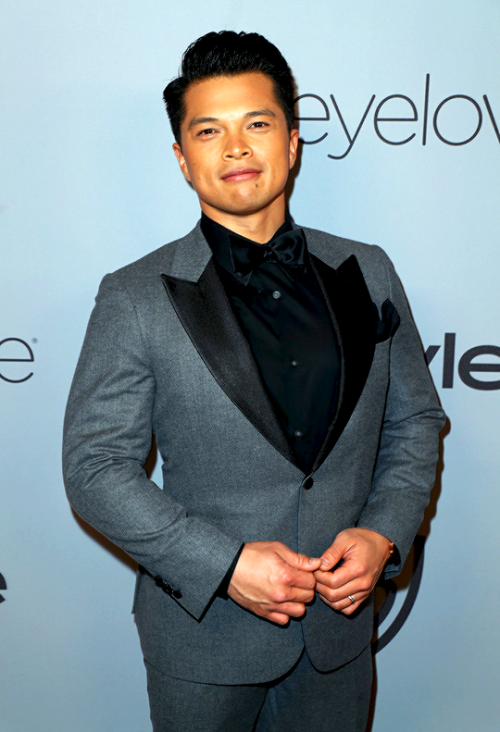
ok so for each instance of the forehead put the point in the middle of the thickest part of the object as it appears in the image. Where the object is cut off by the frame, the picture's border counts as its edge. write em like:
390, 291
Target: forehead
223, 96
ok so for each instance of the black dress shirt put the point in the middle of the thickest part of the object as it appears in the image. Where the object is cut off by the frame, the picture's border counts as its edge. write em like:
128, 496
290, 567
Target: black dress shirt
282, 312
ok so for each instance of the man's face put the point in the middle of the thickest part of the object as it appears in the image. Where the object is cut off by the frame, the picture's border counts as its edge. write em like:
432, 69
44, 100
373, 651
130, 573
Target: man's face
236, 147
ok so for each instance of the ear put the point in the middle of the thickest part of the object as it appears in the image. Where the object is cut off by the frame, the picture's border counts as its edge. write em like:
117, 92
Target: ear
292, 148
182, 161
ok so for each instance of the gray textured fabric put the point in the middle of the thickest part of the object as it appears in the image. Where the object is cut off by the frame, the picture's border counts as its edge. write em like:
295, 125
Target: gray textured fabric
337, 701
175, 363
185, 706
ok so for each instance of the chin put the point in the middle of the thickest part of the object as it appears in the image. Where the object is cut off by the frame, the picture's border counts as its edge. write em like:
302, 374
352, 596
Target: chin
239, 209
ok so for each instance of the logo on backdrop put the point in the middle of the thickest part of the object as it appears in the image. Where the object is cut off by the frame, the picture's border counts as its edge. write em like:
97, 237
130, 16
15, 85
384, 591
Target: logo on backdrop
393, 110
3, 586
390, 589
468, 366
14, 355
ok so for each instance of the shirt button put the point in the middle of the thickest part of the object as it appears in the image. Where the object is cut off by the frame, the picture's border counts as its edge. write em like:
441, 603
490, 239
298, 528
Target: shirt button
276, 294
298, 433
294, 363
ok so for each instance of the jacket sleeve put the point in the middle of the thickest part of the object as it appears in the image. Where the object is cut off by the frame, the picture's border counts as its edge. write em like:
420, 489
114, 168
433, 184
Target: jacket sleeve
107, 439
405, 469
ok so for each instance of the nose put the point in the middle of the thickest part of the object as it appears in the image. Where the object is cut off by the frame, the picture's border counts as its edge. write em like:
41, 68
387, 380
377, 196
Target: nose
236, 148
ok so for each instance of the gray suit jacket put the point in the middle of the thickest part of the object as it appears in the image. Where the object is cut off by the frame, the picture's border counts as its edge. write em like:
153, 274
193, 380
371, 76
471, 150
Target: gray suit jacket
164, 354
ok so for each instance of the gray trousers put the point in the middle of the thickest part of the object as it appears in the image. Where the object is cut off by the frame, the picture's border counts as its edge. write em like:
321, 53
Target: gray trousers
302, 699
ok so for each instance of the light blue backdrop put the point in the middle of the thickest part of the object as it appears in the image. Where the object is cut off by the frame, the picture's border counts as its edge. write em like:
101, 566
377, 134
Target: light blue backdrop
90, 184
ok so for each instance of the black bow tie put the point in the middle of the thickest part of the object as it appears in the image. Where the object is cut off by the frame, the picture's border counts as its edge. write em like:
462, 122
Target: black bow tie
288, 249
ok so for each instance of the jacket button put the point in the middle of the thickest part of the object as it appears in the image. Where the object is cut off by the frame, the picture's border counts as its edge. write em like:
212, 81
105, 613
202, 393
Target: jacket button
177, 594
308, 483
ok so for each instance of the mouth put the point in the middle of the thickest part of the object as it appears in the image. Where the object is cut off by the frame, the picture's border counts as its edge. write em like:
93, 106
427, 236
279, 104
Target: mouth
240, 174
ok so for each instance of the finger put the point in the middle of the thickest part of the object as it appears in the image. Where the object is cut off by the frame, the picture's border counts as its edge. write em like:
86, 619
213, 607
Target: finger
293, 609
278, 618
340, 577
307, 564
301, 580
281, 613
287, 576
342, 602
349, 607
340, 594
299, 561
345, 606
334, 553
297, 594
330, 596
280, 595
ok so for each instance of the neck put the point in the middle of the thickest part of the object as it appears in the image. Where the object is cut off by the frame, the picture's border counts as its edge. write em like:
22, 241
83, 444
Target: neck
259, 226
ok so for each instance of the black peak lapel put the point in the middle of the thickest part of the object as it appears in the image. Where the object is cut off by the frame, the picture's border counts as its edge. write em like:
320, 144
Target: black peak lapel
354, 319
207, 317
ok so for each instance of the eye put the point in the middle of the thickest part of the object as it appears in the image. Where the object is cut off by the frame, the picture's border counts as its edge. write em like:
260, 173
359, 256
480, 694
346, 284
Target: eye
259, 124
206, 131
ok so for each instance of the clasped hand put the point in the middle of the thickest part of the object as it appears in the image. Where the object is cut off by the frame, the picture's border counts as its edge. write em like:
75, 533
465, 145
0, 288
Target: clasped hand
276, 583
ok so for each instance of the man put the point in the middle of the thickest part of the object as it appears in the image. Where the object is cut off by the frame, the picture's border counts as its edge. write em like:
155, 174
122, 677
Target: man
282, 375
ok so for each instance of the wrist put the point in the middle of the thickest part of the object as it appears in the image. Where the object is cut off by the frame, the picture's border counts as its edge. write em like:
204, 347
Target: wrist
224, 585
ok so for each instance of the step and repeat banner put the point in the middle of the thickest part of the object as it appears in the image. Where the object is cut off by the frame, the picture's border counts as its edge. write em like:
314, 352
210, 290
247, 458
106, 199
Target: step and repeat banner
399, 107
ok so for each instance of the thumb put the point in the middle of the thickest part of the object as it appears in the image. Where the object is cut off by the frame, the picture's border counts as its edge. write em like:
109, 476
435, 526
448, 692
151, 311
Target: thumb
333, 554
301, 561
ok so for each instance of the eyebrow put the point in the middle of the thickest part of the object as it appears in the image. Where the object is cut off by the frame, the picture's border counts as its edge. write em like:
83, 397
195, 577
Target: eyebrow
248, 115
261, 113
201, 121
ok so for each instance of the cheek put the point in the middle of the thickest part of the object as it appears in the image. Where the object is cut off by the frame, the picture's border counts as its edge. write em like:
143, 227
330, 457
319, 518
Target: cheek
200, 171
283, 169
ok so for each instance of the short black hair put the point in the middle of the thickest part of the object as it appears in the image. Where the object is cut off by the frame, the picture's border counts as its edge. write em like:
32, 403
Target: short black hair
228, 53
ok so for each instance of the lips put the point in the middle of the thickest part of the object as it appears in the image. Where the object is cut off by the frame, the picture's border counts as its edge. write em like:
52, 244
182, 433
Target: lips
240, 174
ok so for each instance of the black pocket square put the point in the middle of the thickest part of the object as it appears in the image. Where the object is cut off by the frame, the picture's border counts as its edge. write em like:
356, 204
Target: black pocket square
388, 324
